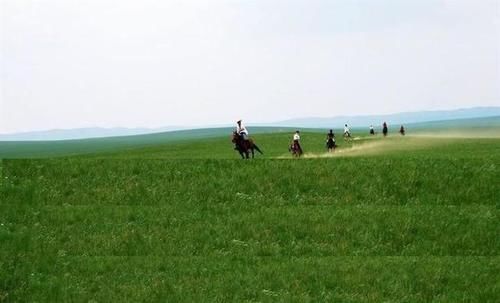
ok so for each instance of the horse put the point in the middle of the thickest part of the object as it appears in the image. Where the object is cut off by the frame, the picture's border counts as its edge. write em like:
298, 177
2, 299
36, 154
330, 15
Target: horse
347, 136
330, 144
244, 147
295, 149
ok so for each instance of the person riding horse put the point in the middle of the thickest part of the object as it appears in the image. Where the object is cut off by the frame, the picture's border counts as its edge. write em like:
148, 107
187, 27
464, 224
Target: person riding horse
330, 141
402, 130
244, 149
372, 130
347, 132
242, 142
295, 147
385, 129
242, 132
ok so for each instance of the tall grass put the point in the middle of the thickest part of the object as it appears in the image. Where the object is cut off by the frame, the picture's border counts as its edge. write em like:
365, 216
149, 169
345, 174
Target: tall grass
395, 220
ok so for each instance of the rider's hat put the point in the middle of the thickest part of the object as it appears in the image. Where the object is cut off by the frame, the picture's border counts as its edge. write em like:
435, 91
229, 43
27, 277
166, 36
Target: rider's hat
239, 120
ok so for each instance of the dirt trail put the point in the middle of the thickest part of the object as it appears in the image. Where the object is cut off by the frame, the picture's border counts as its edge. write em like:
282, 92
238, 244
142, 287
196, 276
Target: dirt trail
369, 146
471, 134
355, 150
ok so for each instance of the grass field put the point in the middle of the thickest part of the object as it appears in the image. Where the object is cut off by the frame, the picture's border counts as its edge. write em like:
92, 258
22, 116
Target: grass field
397, 219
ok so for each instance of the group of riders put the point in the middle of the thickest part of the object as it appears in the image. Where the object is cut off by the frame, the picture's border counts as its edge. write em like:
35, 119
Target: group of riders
385, 130
245, 145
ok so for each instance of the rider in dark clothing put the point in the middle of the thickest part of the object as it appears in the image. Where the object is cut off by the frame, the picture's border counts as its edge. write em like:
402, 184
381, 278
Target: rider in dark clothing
402, 130
330, 140
385, 130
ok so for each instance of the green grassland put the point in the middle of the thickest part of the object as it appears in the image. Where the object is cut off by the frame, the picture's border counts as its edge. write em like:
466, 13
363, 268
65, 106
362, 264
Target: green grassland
65, 148
396, 219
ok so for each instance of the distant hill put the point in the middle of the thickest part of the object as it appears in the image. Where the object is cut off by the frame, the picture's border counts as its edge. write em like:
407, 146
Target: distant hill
393, 119
472, 123
83, 133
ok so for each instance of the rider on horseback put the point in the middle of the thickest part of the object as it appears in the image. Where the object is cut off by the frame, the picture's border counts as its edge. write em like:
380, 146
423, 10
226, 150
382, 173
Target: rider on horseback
385, 129
296, 148
402, 130
347, 131
330, 141
242, 142
242, 130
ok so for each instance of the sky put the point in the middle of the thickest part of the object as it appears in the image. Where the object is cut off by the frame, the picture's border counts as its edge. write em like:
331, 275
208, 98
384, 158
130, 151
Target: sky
128, 63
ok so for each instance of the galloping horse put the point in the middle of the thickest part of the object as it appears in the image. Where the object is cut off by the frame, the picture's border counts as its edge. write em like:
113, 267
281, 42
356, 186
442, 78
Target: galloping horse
244, 147
347, 136
330, 144
296, 149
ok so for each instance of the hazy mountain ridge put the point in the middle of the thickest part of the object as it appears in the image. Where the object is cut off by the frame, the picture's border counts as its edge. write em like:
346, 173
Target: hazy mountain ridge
83, 133
319, 122
398, 118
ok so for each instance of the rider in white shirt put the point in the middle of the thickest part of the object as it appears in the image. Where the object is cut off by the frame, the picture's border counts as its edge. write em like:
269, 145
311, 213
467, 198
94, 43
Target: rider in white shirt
296, 142
347, 131
241, 130
296, 136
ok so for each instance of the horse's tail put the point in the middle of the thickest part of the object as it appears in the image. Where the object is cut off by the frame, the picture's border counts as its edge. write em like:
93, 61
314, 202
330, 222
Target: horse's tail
257, 148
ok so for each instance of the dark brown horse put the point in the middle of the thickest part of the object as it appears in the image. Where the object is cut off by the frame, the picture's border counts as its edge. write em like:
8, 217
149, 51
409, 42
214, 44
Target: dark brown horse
245, 147
296, 149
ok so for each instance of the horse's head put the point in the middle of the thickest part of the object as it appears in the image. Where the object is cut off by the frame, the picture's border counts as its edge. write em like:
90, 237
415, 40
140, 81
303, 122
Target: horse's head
236, 137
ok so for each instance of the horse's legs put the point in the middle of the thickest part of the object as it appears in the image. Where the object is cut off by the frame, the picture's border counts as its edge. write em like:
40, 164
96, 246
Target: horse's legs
242, 153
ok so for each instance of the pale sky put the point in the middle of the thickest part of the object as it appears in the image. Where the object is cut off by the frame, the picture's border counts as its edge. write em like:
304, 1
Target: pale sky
131, 63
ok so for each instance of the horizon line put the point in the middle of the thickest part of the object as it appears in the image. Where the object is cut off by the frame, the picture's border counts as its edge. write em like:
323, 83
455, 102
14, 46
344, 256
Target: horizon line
223, 125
